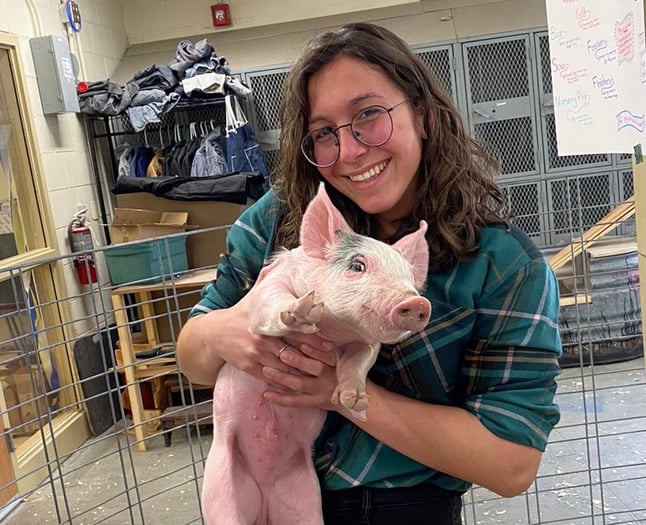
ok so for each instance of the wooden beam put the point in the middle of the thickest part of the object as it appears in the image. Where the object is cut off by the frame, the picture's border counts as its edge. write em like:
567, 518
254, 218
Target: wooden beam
604, 226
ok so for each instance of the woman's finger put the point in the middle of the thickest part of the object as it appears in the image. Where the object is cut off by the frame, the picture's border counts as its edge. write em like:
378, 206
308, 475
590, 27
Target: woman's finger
325, 356
297, 359
313, 340
291, 399
285, 380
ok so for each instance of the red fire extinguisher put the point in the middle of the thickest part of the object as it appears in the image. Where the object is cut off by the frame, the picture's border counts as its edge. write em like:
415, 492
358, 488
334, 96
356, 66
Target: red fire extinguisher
80, 238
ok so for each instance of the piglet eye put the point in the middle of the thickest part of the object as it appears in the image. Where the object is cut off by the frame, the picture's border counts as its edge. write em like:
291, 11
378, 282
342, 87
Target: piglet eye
357, 265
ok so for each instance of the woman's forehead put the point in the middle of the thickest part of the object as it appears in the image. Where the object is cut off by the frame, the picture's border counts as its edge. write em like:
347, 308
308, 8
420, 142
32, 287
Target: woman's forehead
347, 84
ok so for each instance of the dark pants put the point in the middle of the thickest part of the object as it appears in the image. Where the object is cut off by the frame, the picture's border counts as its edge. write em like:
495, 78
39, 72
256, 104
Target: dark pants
421, 505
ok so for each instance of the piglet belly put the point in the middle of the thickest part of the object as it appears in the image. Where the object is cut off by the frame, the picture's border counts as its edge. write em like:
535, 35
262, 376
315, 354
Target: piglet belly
265, 437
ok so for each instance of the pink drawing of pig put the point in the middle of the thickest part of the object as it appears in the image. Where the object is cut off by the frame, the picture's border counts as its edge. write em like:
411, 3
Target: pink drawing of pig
353, 290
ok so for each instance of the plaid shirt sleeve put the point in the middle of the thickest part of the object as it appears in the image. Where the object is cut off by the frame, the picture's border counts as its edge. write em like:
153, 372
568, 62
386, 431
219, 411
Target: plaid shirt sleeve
509, 368
250, 243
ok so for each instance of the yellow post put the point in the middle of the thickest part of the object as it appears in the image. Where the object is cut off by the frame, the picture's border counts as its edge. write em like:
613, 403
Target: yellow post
639, 185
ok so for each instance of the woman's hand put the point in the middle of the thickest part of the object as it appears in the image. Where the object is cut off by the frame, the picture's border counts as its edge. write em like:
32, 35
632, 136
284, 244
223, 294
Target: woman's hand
311, 377
209, 340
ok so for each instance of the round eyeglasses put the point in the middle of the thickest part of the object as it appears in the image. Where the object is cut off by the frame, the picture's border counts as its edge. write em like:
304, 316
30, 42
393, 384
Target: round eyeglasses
372, 126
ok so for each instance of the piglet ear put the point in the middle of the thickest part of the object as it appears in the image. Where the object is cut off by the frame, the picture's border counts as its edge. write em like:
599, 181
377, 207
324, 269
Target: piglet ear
321, 221
414, 248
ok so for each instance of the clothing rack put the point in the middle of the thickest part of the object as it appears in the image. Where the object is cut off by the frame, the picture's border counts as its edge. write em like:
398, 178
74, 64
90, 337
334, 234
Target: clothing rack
105, 133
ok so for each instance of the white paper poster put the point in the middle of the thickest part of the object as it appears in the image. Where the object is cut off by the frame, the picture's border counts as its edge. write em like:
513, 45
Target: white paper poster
598, 74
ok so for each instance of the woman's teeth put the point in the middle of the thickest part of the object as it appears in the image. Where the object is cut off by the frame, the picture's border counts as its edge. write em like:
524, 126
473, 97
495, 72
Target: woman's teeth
375, 170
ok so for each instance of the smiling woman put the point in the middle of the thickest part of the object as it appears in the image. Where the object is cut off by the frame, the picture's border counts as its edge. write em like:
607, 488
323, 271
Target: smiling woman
469, 399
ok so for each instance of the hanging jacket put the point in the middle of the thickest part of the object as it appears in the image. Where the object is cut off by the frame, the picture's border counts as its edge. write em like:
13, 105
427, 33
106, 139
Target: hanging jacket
209, 159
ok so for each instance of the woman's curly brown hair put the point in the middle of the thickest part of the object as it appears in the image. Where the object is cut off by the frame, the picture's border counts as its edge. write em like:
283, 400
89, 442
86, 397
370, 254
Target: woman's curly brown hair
458, 192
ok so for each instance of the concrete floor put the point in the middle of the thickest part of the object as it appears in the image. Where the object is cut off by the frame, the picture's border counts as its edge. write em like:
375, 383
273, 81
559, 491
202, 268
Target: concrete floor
593, 471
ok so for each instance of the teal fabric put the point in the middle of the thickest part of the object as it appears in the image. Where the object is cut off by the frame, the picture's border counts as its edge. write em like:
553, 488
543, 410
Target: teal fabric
491, 347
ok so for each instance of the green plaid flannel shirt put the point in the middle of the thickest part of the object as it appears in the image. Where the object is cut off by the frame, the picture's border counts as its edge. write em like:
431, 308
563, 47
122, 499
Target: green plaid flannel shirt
491, 347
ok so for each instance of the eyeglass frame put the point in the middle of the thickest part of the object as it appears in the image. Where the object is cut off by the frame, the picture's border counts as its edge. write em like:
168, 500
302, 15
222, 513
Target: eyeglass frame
349, 124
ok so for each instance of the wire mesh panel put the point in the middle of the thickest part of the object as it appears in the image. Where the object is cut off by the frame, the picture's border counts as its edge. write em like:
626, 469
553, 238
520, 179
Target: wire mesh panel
267, 91
129, 389
593, 471
440, 61
623, 159
500, 101
525, 202
173, 125
626, 190
577, 203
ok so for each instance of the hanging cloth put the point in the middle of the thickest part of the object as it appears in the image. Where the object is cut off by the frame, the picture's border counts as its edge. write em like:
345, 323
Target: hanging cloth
242, 149
209, 160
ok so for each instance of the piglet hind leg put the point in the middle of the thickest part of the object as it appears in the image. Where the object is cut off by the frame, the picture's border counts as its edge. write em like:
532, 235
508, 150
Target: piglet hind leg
295, 497
230, 494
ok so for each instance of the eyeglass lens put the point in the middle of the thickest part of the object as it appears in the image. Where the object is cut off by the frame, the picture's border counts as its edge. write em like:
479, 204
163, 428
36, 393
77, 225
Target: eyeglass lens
371, 126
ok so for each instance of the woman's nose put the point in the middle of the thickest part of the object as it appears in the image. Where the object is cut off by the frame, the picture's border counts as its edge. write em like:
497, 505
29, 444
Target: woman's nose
349, 146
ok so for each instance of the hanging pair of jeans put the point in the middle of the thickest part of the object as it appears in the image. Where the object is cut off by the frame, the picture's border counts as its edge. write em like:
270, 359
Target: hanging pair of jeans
242, 149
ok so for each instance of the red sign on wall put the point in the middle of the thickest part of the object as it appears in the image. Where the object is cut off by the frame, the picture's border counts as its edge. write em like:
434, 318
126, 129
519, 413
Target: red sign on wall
221, 15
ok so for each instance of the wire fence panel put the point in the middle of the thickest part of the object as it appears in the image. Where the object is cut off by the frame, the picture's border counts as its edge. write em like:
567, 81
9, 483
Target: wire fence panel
146, 467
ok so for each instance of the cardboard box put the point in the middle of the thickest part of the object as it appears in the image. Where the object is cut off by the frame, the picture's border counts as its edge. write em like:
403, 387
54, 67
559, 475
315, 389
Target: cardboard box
203, 248
10, 400
146, 262
25, 400
131, 224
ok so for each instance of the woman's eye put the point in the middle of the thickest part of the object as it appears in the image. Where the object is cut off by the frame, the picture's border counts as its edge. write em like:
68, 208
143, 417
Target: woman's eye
369, 113
357, 266
323, 134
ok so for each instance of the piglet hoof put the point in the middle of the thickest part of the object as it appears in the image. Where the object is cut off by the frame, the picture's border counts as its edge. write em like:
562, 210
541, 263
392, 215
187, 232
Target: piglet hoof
352, 399
359, 416
303, 314
356, 403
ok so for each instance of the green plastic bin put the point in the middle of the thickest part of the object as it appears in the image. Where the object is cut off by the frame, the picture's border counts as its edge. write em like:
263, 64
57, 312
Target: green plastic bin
146, 262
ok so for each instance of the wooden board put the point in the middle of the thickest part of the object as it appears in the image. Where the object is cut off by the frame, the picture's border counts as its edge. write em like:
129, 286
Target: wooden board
7, 477
605, 225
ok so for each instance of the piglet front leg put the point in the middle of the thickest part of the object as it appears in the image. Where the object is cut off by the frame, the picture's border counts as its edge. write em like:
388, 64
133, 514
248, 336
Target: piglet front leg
353, 363
284, 312
303, 315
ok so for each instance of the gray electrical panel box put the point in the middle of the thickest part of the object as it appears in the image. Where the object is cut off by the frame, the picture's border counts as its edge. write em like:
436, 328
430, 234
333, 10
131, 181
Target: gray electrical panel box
54, 74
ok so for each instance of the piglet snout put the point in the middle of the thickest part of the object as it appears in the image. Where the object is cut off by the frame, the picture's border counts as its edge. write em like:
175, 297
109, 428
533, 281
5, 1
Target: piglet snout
411, 314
